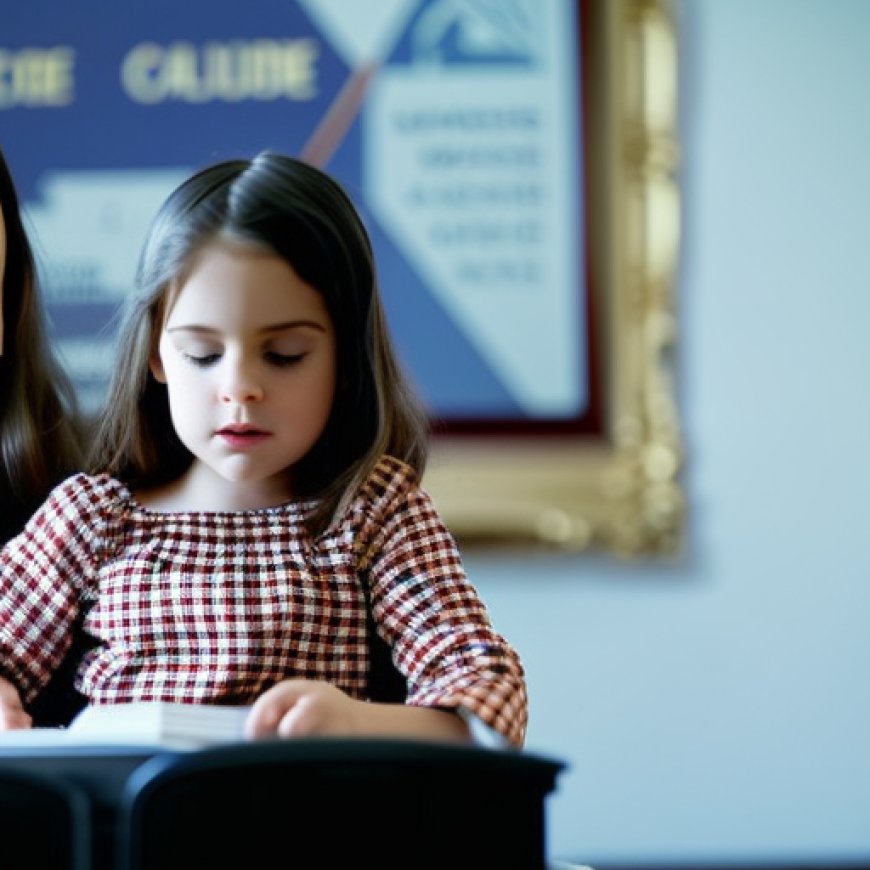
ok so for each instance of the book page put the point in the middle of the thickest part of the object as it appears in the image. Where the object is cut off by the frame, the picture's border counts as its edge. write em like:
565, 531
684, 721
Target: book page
153, 724
161, 722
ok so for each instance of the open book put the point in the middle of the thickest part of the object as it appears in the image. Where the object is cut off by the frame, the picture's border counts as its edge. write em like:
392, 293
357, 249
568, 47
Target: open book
175, 725
159, 724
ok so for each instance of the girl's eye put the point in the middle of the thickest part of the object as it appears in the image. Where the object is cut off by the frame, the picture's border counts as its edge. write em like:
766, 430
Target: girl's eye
203, 360
283, 359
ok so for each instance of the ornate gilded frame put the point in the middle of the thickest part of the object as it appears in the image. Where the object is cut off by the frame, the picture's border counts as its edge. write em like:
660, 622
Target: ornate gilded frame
619, 493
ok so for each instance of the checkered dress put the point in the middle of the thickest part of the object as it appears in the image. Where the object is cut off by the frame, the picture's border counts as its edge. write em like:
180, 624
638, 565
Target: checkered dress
218, 606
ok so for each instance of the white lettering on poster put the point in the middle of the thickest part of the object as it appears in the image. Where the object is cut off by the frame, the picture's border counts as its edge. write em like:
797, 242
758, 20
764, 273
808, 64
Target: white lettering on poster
261, 69
37, 77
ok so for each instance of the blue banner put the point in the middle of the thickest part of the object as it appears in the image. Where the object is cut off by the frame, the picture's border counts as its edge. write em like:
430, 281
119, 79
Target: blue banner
454, 126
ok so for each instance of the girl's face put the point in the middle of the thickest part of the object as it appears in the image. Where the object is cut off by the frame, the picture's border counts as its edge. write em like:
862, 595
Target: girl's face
247, 352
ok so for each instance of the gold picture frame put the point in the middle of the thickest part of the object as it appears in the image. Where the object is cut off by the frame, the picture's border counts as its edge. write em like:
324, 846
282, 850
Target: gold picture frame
619, 493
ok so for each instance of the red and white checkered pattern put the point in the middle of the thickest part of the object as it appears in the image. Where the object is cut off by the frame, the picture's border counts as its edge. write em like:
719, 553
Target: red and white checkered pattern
217, 606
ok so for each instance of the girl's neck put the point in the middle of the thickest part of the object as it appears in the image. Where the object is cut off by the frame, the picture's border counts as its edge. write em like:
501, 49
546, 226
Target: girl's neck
200, 489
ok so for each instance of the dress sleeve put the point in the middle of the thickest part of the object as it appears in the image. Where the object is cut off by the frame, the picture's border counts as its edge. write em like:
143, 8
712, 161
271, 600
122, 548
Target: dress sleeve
437, 625
43, 571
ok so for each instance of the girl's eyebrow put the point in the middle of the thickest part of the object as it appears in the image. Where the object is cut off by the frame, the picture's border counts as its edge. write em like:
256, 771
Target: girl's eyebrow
201, 329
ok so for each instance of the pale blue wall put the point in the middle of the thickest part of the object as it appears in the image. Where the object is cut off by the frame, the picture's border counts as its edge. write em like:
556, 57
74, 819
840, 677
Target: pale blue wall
720, 710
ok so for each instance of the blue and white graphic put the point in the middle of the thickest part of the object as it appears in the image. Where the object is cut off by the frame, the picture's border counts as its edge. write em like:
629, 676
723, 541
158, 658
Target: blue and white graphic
452, 123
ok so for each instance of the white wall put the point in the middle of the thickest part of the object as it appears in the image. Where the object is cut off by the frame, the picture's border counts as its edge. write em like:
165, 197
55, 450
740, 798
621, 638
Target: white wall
718, 710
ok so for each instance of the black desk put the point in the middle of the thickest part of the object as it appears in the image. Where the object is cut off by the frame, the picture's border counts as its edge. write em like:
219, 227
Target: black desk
373, 802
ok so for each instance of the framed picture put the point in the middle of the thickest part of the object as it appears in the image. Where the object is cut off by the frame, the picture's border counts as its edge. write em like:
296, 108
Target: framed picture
513, 161
608, 479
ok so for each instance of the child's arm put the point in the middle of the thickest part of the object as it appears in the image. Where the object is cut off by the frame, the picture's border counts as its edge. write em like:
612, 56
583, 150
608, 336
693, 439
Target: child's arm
437, 626
301, 708
42, 573
12, 713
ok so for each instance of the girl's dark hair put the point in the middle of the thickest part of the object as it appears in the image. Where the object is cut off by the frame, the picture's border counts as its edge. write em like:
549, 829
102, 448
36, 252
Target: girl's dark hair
305, 217
39, 423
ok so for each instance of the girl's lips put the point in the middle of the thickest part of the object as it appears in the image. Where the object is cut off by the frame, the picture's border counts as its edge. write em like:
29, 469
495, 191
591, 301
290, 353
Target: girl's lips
243, 437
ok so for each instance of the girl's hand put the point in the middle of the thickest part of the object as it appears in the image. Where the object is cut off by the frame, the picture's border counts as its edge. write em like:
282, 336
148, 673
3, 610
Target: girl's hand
303, 708
13, 716
300, 708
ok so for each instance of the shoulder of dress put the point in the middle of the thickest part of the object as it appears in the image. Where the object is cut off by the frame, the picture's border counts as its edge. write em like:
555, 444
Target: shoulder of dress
389, 478
89, 493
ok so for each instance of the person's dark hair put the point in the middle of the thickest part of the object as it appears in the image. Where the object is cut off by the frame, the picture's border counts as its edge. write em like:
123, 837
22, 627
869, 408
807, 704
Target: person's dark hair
39, 422
304, 216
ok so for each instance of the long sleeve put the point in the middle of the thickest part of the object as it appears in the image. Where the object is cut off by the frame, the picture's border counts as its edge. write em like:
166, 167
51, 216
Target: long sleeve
42, 574
440, 631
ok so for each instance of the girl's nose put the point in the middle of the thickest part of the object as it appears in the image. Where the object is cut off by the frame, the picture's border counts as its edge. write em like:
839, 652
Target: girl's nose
240, 386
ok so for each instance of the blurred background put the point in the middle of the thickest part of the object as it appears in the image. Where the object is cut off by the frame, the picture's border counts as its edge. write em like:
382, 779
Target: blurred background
714, 708
717, 711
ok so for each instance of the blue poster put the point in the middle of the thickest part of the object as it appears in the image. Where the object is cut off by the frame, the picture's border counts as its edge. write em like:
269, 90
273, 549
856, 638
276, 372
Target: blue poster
453, 124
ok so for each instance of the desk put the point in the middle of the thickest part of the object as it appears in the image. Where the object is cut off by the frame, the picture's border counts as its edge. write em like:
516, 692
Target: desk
350, 797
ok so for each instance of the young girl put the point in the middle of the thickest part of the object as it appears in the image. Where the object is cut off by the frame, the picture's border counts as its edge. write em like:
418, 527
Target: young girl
39, 432
254, 521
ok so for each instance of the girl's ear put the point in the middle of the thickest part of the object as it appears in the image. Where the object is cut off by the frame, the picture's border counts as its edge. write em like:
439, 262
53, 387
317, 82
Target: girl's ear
156, 366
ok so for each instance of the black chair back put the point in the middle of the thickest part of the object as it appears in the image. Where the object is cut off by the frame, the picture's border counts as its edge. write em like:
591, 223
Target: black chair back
330, 803
44, 823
